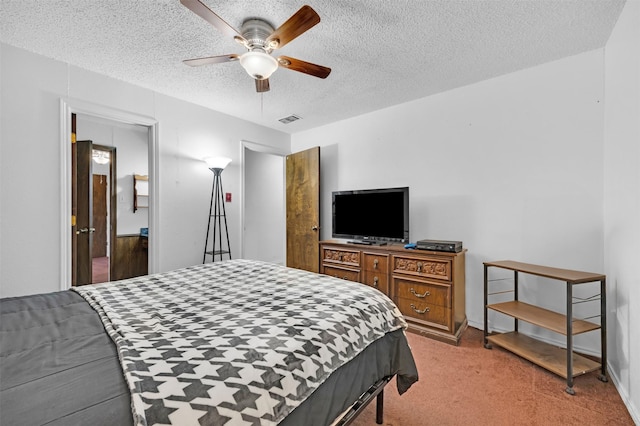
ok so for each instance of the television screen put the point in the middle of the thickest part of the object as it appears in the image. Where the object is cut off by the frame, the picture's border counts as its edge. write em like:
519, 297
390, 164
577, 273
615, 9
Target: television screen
376, 215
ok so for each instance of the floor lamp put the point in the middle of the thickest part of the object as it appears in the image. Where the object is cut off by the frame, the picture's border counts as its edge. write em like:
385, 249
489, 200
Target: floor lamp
217, 212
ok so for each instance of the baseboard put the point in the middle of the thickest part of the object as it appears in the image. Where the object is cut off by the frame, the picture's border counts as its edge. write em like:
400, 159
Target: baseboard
634, 412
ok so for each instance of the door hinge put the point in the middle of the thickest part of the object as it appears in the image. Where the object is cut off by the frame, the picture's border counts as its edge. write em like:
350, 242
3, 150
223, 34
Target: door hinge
73, 138
73, 220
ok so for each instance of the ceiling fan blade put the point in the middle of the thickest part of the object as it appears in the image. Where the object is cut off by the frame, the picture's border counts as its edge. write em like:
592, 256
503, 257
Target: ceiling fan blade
298, 23
262, 85
200, 9
196, 62
305, 67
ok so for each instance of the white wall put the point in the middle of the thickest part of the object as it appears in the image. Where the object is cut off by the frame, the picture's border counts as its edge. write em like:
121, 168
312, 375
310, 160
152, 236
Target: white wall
513, 167
30, 157
622, 202
510, 166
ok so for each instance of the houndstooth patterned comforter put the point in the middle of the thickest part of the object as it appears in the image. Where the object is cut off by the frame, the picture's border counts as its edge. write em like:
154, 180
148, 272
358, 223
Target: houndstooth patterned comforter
237, 342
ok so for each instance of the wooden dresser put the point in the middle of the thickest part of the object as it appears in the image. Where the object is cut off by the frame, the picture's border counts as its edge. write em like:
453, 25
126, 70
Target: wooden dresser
427, 286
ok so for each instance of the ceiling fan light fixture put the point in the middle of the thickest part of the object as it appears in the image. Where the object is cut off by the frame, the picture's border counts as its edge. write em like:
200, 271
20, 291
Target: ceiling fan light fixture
258, 65
100, 157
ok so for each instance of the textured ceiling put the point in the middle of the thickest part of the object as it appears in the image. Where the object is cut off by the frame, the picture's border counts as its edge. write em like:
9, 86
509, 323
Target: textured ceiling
381, 53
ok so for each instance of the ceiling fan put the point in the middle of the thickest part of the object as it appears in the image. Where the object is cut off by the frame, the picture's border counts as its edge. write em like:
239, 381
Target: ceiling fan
260, 39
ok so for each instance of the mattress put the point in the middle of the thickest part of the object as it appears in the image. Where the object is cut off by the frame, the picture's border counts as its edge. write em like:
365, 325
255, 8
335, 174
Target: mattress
60, 366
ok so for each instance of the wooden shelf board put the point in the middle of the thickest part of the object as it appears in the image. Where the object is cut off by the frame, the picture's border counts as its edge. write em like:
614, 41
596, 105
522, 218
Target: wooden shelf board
568, 275
542, 317
547, 356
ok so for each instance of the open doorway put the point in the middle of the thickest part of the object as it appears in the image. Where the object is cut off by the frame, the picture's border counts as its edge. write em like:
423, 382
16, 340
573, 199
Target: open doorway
103, 212
149, 127
116, 221
264, 227
281, 206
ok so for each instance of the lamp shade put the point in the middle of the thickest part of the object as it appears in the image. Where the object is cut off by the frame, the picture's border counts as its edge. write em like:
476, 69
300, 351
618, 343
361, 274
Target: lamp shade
258, 65
217, 162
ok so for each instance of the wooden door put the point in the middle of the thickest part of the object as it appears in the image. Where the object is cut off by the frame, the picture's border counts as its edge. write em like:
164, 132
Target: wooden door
99, 246
82, 208
303, 209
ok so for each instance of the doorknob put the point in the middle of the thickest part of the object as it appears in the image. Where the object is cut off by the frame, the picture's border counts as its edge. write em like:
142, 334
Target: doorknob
85, 230
314, 228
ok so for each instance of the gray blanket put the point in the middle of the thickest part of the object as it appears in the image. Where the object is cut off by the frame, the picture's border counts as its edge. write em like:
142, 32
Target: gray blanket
57, 364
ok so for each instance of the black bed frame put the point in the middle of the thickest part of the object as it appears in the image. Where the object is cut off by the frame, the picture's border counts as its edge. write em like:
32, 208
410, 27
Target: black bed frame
375, 391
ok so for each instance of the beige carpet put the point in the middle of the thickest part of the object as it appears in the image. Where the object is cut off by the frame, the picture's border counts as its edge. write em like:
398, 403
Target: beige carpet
471, 385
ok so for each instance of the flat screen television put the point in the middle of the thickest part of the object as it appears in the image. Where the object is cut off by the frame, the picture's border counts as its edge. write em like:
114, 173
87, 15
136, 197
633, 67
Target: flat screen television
371, 216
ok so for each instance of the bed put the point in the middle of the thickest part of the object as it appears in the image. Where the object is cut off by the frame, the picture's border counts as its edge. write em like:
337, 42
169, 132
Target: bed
237, 342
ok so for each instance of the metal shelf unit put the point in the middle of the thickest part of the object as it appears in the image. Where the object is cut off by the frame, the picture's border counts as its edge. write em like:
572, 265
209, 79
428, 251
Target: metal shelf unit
561, 361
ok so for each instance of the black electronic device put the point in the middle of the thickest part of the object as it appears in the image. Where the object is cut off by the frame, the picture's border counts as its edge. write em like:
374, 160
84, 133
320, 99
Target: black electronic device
374, 216
438, 245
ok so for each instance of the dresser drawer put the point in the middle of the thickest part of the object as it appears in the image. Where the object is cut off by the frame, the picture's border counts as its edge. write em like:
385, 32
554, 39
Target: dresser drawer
434, 268
427, 286
342, 273
340, 256
425, 313
376, 262
420, 291
377, 280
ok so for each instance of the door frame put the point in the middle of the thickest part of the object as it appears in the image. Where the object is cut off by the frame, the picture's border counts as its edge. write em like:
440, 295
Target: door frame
68, 107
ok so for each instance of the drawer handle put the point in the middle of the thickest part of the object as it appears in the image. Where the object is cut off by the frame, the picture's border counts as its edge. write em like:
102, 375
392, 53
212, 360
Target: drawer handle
375, 282
421, 296
419, 266
418, 311
375, 264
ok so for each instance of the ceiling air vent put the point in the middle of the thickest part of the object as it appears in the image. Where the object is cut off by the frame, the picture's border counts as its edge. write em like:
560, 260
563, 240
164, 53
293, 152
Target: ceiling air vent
289, 119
